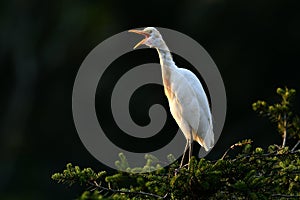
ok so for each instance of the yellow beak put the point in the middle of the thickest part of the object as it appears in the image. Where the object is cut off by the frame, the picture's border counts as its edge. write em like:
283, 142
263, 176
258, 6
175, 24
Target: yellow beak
140, 32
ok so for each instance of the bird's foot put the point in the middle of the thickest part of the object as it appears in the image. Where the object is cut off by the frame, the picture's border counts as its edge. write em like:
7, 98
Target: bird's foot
178, 169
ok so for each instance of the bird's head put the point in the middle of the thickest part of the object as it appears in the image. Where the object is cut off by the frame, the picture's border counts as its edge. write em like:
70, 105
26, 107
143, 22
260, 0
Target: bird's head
152, 38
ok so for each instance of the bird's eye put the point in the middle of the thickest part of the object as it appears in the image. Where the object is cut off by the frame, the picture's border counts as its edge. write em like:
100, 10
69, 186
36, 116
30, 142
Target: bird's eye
150, 31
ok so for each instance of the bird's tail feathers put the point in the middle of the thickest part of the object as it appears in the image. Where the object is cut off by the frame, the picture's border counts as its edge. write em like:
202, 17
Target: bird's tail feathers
208, 142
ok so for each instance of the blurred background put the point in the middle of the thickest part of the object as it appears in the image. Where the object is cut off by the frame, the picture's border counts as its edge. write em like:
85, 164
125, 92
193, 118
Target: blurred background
255, 45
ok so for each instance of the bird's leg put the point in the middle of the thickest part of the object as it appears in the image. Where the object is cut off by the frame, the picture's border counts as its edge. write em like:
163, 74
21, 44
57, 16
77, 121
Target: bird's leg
185, 148
191, 149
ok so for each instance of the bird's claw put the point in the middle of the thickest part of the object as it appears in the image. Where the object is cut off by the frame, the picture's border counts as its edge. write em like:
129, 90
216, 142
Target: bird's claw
179, 168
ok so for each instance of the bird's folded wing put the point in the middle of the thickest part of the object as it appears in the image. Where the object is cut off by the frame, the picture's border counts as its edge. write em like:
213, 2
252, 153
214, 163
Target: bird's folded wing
194, 104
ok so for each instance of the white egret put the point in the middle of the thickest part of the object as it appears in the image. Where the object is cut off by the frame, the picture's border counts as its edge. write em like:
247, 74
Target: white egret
187, 99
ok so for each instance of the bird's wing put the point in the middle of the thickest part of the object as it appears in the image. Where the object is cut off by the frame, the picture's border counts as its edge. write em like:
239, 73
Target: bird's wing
194, 106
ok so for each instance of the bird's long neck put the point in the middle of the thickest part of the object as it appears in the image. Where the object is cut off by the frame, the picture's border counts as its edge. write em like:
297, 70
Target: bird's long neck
166, 62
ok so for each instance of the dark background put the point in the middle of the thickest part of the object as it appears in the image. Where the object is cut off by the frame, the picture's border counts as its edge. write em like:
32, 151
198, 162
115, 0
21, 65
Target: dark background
255, 45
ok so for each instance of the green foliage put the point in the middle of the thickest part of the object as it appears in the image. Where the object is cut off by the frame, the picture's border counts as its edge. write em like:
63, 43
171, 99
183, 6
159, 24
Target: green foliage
73, 175
281, 114
152, 163
255, 173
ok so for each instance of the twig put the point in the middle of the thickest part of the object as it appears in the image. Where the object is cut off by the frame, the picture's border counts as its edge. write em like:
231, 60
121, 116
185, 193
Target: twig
96, 185
294, 148
275, 153
235, 145
286, 196
284, 130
